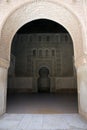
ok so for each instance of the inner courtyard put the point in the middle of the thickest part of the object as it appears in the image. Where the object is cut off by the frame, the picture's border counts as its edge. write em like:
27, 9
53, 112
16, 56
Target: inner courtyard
42, 71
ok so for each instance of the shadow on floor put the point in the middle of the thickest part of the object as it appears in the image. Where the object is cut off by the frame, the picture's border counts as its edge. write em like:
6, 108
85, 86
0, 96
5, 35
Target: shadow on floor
42, 103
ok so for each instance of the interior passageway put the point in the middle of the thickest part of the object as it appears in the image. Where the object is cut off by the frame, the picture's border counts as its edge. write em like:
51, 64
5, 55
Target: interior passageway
42, 75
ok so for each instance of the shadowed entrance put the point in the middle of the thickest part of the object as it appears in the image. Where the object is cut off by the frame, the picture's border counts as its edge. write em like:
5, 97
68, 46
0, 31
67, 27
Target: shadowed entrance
43, 80
42, 43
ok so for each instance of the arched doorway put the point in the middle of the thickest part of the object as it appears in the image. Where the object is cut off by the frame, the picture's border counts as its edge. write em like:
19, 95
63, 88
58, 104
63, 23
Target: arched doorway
44, 80
42, 61
64, 18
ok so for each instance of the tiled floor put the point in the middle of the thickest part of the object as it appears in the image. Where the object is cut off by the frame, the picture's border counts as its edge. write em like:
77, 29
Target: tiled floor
42, 112
42, 122
44, 103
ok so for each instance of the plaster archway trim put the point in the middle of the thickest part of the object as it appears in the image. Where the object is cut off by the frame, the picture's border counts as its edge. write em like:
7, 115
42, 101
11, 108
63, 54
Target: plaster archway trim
64, 5
36, 10
4, 63
81, 61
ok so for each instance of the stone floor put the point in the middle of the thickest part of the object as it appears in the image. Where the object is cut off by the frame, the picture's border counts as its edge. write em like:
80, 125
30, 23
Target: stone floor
42, 112
42, 103
42, 122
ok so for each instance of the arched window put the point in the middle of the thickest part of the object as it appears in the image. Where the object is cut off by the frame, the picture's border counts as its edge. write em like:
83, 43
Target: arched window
34, 52
47, 53
53, 52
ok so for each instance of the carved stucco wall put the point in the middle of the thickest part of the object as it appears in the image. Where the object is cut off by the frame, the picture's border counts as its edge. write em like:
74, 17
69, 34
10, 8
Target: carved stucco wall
32, 51
31, 10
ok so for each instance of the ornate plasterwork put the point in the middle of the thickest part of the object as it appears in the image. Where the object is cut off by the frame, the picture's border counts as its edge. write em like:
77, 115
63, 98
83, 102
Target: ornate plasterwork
29, 12
46, 10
